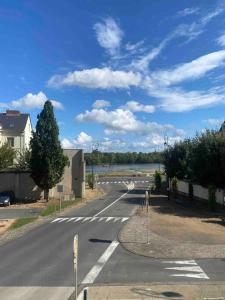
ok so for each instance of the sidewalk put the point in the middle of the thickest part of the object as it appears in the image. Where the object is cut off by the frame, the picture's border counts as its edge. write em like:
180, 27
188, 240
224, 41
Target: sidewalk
157, 292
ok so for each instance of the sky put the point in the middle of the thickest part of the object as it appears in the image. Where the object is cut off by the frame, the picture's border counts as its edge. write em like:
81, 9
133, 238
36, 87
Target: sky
121, 75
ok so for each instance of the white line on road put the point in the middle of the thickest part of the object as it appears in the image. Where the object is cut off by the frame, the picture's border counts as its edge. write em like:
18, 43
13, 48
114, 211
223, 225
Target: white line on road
111, 204
181, 262
94, 272
192, 275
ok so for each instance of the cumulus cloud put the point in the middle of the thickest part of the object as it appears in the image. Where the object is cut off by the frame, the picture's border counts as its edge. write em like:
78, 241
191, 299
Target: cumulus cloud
104, 78
31, 101
138, 107
101, 103
109, 35
123, 121
221, 40
83, 140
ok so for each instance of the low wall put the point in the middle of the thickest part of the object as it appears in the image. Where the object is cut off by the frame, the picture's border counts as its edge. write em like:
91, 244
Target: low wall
26, 190
21, 184
200, 191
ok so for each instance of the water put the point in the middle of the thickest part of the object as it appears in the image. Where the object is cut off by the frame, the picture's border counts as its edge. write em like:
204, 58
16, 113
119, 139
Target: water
98, 169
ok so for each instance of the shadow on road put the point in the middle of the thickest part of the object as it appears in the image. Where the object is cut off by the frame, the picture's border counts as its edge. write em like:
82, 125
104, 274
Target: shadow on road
100, 241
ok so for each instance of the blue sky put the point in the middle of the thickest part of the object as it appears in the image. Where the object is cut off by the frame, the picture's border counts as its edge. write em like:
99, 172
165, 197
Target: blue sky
124, 74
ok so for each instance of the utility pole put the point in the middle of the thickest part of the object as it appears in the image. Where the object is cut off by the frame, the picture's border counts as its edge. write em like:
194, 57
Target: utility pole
94, 148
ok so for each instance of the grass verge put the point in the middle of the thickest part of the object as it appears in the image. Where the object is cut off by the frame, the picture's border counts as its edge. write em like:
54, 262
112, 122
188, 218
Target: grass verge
55, 207
21, 222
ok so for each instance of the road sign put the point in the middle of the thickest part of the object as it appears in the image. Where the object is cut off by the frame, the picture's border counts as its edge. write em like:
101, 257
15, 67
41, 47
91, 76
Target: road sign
75, 261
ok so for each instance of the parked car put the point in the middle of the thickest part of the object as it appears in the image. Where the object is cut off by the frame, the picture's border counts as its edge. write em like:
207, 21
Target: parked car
6, 198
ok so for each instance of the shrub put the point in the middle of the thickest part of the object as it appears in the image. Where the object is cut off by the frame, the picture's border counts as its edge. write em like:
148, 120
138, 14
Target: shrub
158, 180
174, 184
90, 180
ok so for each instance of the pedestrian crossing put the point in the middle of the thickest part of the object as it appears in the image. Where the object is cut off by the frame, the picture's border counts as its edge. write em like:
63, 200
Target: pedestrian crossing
185, 268
90, 219
123, 182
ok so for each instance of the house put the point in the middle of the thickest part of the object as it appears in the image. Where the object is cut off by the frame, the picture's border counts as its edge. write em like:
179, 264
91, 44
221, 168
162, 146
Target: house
15, 130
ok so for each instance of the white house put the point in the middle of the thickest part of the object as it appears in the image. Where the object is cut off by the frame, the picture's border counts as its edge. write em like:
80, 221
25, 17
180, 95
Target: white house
15, 130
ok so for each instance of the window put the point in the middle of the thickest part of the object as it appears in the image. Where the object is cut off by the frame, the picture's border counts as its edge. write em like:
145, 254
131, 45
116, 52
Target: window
10, 141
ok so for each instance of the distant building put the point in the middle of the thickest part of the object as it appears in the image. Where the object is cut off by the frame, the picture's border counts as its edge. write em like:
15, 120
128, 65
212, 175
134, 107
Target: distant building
222, 128
15, 130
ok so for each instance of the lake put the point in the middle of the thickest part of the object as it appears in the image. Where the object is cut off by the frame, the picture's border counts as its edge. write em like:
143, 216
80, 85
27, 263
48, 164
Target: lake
125, 167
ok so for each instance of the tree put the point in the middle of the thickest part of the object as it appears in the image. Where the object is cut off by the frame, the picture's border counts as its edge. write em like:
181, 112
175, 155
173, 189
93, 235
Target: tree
23, 162
47, 159
158, 180
7, 155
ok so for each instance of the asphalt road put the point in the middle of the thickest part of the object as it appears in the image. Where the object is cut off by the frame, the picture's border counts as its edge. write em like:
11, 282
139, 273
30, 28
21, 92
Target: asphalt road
14, 213
40, 264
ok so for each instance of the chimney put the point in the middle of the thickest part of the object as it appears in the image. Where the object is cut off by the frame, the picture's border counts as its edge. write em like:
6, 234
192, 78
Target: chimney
12, 113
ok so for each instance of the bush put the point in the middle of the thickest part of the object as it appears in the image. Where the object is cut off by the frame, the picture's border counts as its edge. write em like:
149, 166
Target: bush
90, 180
174, 184
158, 180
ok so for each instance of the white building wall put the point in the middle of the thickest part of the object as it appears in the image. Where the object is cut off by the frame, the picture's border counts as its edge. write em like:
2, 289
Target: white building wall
27, 134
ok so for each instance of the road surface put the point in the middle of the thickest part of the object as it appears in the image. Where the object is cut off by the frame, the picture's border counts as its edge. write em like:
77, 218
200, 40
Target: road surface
40, 264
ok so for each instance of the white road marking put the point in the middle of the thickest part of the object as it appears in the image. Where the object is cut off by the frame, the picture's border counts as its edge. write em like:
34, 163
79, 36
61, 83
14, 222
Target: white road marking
192, 275
111, 204
94, 272
90, 219
189, 266
56, 220
78, 219
181, 262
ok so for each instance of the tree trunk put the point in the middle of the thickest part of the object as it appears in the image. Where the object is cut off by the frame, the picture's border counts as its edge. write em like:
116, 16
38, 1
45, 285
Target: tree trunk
46, 194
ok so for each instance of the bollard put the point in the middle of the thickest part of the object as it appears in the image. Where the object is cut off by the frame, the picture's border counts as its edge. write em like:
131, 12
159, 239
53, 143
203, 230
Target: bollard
85, 294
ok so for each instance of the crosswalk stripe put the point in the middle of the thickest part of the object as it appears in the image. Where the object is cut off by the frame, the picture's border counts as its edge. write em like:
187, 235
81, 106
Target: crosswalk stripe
90, 219
189, 266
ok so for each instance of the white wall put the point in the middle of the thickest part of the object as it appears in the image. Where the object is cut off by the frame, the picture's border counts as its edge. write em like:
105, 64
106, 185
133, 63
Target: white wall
200, 192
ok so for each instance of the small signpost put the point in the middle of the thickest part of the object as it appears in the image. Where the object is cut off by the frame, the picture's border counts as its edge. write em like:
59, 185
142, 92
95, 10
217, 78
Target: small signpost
75, 261
60, 190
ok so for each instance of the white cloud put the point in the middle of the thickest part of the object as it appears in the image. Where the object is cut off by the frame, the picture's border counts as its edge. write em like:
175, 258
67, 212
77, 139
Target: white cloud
109, 35
101, 103
123, 121
214, 122
178, 100
138, 107
67, 144
104, 78
31, 101
221, 40
83, 140
188, 11
187, 71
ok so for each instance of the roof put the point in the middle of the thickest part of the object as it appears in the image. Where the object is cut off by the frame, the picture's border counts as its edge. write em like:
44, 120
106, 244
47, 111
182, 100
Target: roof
13, 120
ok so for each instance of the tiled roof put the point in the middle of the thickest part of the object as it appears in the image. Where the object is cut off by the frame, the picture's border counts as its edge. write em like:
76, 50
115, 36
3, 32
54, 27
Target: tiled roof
13, 121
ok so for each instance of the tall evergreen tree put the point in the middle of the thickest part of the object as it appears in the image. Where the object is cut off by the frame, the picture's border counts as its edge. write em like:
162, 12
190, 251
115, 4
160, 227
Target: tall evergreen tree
47, 159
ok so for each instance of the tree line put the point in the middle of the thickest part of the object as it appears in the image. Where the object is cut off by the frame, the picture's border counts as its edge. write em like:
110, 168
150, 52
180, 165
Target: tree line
199, 160
101, 158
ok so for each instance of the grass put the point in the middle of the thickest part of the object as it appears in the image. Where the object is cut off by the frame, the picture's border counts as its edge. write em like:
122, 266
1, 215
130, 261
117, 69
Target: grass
55, 207
21, 222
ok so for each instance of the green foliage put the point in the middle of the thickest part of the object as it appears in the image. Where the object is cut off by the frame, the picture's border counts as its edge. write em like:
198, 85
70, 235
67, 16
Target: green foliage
7, 155
47, 159
212, 197
90, 180
23, 162
53, 208
157, 180
97, 157
21, 222
174, 183
200, 160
